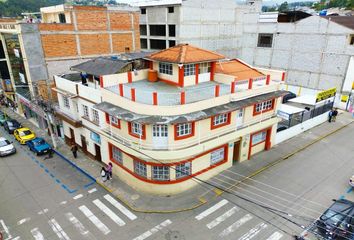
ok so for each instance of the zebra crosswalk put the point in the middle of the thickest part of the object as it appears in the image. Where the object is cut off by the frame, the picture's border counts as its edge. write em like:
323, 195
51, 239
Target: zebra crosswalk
230, 222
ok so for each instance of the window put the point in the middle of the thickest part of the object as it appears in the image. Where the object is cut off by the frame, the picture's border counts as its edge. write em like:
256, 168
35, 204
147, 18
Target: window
263, 107
137, 130
189, 69
204, 67
66, 102
117, 155
171, 43
184, 130
172, 30
165, 68
62, 18
351, 39
143, 11
159, 130
95, 116
265, 40
161, 173
157, 30
220, 120
143, 30
183, 170
217, 156
140, 168
157, 44
259, 137
171, 9
115, 121
143, 43
85, 111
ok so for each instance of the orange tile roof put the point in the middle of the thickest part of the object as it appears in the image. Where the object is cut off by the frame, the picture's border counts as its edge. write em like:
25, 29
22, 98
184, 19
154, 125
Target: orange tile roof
238, 69
185, 53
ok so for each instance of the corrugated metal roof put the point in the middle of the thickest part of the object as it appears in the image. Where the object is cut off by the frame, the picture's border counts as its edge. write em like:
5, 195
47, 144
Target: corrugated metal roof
346, 21
130, 116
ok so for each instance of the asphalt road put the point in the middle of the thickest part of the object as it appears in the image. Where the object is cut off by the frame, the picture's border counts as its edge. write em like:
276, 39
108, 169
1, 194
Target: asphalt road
49, 199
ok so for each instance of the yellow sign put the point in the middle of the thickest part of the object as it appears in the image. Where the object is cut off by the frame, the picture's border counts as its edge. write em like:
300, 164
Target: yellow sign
326, 94
353, 86
344, 98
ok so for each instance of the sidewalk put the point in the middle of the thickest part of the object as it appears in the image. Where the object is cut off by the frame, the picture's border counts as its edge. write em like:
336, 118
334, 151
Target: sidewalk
202, 193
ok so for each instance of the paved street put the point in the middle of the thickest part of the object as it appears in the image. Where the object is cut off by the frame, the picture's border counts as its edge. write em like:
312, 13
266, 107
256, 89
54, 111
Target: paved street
50, 199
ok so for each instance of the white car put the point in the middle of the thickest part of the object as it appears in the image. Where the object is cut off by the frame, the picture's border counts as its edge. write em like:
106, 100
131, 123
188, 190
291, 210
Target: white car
351, 181
6, 147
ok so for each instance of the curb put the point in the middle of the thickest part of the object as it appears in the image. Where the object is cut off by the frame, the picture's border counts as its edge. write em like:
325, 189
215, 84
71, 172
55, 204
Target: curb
74, 165
219, 192
150, 211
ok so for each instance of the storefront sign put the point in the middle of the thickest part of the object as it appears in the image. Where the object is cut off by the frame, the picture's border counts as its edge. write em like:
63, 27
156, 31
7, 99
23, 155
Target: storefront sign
344, 98
326, 94
32, 106
7, 26
95, 137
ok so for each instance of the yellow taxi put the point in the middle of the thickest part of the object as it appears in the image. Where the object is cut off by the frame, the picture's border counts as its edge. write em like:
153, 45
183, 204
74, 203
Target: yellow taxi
23, 135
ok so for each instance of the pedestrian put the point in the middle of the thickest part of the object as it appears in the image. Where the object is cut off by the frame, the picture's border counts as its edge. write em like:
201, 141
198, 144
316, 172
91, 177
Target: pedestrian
109, 170
330, 115
334, 115
104, 174
74, 150
50, 154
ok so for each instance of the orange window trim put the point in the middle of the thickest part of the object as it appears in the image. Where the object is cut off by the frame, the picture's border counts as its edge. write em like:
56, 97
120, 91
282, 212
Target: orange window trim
225, 146
264, 111
143, 136
185, 136
108, 121
228, 121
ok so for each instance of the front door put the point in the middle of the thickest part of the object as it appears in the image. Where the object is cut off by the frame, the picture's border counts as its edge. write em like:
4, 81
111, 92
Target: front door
160, 135
239, 118
236, 155
98, 153
83, 144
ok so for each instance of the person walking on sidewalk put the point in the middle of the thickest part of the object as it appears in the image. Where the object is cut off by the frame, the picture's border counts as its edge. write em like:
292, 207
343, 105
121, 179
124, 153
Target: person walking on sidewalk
330, 115
334, 115
74, 150
104, 174
109, 171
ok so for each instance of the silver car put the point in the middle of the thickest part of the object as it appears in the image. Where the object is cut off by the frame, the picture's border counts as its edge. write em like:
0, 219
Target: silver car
6, 147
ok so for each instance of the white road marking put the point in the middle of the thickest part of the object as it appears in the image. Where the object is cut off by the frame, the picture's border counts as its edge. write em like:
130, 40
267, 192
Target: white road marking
109, 212
58, 230
120, 207
79, 226
211, 209
37, 234
23, 221
5, 229
253, 232
235, 225
100, 225
63, 202
78, 196
92, 190
275, 236
153, 230
43, 211
222, 218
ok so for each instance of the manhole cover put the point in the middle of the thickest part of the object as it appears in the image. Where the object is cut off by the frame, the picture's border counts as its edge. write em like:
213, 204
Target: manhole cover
174, 235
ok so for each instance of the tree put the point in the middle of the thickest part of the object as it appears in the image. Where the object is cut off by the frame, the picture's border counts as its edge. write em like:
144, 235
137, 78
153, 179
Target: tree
14, 8
283, 7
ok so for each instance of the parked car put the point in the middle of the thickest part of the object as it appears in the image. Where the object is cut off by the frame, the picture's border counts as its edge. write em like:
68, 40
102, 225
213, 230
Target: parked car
337, 222
23, 135
3, 118
288, 96
11, 125
39, 146
351, 181
6, 147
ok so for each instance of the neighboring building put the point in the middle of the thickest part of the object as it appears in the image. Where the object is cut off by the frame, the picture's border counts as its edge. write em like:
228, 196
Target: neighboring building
191, 113
31, 53
317, 52
79, 92
208, 24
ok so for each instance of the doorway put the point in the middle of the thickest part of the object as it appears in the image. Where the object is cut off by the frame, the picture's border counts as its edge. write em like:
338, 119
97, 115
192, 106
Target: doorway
160, 135
236, 155
83, 144
98, 153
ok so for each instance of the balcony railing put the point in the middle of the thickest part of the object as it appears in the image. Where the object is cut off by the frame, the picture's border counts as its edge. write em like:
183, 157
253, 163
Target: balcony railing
140, 144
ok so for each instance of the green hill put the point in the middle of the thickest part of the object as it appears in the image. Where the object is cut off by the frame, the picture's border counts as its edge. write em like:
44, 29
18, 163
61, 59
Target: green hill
14, 8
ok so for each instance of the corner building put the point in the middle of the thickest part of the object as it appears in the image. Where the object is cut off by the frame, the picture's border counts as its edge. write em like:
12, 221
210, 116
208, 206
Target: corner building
192, 113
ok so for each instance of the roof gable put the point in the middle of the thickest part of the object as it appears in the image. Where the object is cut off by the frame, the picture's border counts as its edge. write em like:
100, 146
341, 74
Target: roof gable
184, 54
238, 69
